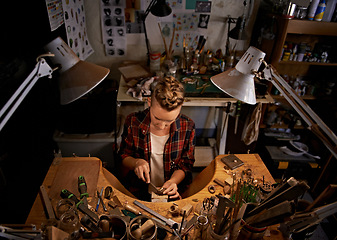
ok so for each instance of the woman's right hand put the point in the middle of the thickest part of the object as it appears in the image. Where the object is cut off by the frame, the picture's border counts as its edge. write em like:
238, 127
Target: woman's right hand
142, 170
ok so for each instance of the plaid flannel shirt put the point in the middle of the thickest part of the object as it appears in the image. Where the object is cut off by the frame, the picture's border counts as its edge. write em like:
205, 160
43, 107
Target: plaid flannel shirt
178, 150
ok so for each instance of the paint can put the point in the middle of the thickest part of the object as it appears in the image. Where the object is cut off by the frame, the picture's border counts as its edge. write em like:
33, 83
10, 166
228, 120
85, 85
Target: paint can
320, 11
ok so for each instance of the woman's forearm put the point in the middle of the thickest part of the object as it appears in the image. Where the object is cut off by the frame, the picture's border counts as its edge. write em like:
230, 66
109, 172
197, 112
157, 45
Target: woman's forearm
177, 176
129, 162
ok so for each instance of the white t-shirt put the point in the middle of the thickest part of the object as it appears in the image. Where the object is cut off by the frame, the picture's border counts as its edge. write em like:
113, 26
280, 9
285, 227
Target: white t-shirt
156, 159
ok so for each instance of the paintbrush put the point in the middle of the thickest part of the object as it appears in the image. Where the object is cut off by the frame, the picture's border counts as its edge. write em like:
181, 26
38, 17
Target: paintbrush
163, 39
171, 43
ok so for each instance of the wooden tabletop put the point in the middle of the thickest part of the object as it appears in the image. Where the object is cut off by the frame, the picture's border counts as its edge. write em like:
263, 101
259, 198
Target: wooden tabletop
64, 174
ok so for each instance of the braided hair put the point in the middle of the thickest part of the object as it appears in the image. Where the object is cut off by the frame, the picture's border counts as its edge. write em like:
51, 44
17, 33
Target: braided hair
169, 93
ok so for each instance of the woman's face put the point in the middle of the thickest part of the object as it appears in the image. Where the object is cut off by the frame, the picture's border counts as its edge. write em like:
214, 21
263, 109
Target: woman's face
162, 119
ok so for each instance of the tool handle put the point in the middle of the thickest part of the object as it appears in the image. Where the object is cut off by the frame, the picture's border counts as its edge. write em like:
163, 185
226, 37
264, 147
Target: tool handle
82, 187
66, 194
238, 108
132, 209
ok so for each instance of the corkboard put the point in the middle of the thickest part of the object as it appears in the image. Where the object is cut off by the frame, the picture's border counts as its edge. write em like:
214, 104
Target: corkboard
68, 173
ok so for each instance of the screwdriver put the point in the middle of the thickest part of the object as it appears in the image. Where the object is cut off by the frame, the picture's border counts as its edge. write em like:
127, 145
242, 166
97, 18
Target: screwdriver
82, 188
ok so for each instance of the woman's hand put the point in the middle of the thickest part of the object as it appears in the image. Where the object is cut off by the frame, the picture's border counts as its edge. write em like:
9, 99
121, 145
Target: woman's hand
171, 189
142, 170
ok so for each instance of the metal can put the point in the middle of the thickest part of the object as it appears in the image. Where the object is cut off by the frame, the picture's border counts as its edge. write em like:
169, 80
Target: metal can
320, 11
312, 9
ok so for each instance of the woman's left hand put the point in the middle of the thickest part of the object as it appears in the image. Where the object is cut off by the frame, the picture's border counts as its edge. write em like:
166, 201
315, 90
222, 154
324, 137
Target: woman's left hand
171, 189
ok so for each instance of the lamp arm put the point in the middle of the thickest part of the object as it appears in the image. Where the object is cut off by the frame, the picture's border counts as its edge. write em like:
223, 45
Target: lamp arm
41, 69
315, 123
147, 44
148, 9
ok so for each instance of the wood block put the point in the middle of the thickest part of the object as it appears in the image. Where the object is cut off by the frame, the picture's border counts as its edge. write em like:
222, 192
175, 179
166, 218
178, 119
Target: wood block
158, 198
69, 171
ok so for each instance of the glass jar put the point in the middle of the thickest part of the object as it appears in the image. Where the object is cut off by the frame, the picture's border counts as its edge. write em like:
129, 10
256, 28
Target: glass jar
211, 235
63, 206
69, 222
200, 228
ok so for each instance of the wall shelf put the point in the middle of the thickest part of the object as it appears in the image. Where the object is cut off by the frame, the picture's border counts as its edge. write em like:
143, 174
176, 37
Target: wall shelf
306, 63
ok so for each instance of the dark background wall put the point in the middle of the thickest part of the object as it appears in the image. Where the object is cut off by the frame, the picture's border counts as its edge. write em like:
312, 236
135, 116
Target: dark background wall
26, 144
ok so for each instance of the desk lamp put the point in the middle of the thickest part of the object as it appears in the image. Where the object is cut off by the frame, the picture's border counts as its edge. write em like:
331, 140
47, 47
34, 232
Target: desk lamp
76, 77
239, 83
158, 8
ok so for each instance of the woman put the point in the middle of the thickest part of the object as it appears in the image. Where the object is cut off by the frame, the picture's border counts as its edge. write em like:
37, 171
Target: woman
158, 143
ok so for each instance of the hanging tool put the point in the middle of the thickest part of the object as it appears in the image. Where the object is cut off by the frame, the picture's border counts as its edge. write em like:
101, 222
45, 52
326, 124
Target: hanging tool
228, 108
237, 115
172, 224
222, 134
79, 204
82, 188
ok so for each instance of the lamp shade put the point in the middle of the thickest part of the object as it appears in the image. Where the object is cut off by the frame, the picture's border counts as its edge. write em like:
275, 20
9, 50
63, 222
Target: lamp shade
238, 82
77, 77
161, 9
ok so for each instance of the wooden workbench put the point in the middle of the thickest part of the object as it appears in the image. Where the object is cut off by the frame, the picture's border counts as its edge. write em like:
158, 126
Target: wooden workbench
87, 166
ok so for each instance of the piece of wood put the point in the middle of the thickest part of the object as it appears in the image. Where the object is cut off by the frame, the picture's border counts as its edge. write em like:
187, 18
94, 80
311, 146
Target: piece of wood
67, 176
133, 71
56, 233
158, 198
47, 203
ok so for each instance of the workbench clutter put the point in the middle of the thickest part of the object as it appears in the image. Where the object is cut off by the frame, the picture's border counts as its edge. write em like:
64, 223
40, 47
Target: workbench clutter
227, 200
